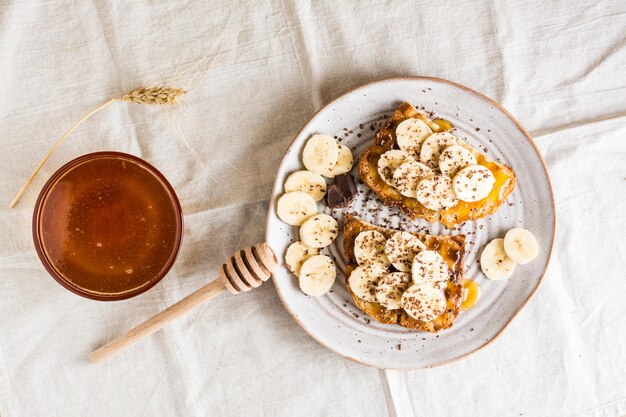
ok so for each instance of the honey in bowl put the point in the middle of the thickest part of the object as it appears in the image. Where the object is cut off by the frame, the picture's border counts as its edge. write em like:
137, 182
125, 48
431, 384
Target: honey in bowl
107, 226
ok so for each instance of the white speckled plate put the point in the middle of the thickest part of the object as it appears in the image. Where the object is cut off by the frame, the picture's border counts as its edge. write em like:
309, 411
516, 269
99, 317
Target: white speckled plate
333, 319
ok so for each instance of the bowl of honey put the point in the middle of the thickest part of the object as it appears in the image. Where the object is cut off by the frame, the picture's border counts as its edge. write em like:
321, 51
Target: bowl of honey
107, 226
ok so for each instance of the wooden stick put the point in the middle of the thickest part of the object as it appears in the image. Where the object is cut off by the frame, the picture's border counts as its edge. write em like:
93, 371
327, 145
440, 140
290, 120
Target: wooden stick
204, 294
246, 269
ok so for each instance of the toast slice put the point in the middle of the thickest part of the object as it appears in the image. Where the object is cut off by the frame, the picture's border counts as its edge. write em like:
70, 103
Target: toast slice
452, 248
386, 139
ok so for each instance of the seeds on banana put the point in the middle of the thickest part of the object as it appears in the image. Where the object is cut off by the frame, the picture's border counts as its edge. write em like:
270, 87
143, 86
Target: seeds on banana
473, 183
308, 182
453, 158
429, 267
423, 302
436, 193
408, 175
344, 162
295, 207
410, 134
390, 288
317, 275
389, 161
434, 145
494, 261
319, 231
297, 253
369, 248
401, 248
363, 280
320, 153
520, 245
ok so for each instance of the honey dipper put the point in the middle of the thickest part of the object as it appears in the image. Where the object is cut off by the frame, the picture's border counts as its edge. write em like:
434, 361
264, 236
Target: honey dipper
246, 269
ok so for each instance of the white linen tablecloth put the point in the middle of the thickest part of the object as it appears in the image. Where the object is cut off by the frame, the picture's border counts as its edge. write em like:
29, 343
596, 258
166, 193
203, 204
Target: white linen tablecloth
559, 67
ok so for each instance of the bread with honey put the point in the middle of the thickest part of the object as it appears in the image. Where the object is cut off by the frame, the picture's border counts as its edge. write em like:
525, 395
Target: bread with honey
386, 140
451, 248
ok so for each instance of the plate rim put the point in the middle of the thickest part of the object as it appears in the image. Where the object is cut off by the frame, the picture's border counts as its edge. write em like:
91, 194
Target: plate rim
552, 204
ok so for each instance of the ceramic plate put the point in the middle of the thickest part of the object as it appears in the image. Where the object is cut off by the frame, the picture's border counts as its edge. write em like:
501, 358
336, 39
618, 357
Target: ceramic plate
333, 319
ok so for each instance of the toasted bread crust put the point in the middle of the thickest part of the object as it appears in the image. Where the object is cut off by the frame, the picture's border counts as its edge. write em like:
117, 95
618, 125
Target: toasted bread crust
385, 140
452, 248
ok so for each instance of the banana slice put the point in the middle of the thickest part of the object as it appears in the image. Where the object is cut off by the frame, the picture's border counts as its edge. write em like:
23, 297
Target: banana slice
453, 158
408, 175
410, 134
317, 275
436, 193
363, 280
429, 268
311, 183
343, 165
401, 248
297, 253
389, 161
440, 125
319, 231
295, 207
423, 302
473, 183
369, 248
520, 245
494, 261
434, 145
434, 126
390, 288
320, 153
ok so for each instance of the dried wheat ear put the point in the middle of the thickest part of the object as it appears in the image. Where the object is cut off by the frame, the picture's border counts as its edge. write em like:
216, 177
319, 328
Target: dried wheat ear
153, 96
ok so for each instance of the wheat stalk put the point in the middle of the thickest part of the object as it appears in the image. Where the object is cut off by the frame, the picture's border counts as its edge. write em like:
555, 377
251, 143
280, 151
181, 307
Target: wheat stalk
154, 96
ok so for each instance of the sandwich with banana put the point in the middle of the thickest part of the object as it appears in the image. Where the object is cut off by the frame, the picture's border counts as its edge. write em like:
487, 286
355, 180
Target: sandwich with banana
396, 277
417, 165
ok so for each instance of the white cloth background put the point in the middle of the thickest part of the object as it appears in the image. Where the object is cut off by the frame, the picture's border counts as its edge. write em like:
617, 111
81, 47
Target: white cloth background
559, 67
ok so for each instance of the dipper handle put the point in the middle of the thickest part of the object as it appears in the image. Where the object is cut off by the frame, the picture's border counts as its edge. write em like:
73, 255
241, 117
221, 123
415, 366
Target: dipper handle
246, 269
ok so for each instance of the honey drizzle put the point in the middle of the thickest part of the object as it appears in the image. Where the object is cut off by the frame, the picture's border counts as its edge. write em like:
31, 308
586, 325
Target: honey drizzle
444, 124
463, 210
471, 294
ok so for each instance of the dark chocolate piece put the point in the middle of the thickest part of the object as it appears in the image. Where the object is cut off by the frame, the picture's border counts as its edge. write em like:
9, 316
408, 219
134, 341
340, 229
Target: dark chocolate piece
334, 197
347, 185
342, 192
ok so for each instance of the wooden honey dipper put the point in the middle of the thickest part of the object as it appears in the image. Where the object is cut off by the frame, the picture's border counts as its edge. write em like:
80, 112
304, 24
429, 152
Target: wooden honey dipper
246, 269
